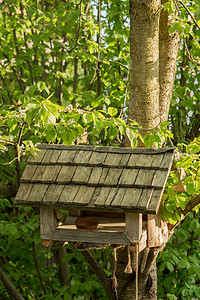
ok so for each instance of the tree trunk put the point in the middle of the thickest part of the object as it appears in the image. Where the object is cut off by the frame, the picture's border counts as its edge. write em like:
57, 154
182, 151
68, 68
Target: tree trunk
153, 53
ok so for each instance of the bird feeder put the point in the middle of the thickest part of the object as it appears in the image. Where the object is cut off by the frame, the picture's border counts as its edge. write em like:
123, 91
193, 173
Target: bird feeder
113, 195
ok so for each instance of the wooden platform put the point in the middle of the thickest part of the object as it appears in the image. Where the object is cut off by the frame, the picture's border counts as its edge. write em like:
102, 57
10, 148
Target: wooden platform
109, 231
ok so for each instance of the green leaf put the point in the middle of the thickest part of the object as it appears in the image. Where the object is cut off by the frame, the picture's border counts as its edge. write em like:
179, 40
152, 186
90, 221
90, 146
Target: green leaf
87, 118
112, 132
164, 124
68, 137
112, 111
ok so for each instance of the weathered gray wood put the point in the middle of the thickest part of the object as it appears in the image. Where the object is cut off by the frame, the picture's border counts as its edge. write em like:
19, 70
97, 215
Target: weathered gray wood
144, 177
145, 198
53, 193
68, 194
111, 195
46, 174
160, 178
101, 199
95, 175
23, 192
167, 160
124, 159
82, 157
133, 227
118, 197
113, 176
37, 193
84, 195
104, 149
132, 160
155, 201
113, 159
38, 172
66, 156
97, 158
36, 157
104, 174
128, 177
47, 223
46, 158
131, 197
144, 160
157, 159
66, 173
55, 156
82, 174
28, 173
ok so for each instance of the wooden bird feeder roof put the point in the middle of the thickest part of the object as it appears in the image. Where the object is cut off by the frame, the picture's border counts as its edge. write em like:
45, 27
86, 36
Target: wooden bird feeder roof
96, 178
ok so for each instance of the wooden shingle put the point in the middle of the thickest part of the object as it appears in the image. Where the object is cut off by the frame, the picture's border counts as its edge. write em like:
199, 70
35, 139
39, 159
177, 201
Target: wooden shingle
96, 178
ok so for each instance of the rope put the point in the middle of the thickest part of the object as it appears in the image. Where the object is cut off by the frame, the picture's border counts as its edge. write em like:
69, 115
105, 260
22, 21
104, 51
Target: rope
136, 273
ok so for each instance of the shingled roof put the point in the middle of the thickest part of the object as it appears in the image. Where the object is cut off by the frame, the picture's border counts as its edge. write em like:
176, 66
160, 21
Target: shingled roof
96, 178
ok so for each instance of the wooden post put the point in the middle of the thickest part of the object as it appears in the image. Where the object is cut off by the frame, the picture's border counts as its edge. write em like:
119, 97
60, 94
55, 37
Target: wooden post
133, 227
47, 226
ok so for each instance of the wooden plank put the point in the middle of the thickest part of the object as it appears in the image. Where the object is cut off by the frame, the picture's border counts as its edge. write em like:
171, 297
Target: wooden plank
82, 157
104, 174
36, 157
112, 159
84, 195
97, 158
118, 197
95, 175
144, 177
47, 157
111, 196
66, 157
155, 201
160, 178
131, 197
132, 160
66, 173
37, 193
124, 160
53, 194
152, 231
38, 172
128, 177
82, 174
113, 176
157, 159
101, 199
145, 198
47, 223
68, 194
105, 149
65, 233
47, 174
133, 227
55, 156
28, 173
23, 192
167, 160
144, 160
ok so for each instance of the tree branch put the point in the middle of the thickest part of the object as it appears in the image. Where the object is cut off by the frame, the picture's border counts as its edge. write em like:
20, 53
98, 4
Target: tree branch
12, 291
37, 268
189, 13
103, 278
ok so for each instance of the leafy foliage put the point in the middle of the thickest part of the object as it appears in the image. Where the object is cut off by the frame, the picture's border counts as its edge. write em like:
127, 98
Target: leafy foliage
60, 83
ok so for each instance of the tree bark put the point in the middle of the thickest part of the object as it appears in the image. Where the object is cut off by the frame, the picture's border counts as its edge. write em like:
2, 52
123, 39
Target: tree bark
168, 51
153, 54
12, 291
144, 62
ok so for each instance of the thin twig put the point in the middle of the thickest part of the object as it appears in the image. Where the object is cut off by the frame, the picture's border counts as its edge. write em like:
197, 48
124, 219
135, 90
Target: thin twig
126, 93
37, 268
79, 28
189, 13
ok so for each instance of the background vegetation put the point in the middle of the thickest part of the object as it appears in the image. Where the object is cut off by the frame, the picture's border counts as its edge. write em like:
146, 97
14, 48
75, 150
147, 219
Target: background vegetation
64, 77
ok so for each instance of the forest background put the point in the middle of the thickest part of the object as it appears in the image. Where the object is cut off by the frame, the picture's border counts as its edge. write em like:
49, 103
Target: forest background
64, 77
